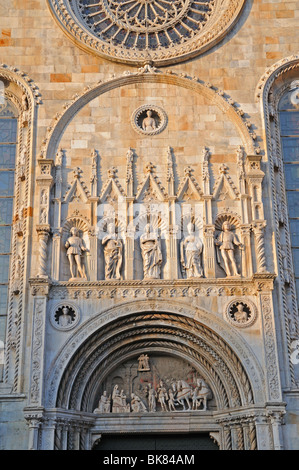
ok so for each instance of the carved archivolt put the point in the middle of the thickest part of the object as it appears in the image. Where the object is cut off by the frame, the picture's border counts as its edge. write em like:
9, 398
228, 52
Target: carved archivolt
139, 31
112, 335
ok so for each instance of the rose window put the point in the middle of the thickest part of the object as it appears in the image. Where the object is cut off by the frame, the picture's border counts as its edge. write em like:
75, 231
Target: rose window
140, 31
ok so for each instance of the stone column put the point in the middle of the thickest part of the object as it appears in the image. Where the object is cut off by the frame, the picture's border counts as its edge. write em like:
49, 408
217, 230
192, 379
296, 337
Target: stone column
263, 435
56, 244
258, 230
246, 253
34, 418
43, 232
276, 417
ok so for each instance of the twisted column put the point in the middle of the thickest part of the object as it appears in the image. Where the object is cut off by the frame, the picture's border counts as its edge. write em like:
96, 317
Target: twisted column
43, 236
258, 228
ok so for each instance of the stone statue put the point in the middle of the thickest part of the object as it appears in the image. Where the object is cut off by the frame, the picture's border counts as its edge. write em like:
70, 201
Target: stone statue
162, 396
171, 401
104, 404
136, 404
143, 363
75, 247
119, 403
112, 253
201, 394
240, 315
149, 123
152, 395
226, 240
65, 319
151, 254
191, 249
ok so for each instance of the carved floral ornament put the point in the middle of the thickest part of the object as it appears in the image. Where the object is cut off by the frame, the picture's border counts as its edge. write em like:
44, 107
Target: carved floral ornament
140, 31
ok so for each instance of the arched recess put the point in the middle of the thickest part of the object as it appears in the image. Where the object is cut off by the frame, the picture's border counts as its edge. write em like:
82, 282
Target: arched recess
20, 90
151, 75
174, 328
280, 79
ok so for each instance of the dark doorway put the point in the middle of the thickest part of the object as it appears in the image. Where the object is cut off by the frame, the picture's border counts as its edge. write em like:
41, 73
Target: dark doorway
200, 441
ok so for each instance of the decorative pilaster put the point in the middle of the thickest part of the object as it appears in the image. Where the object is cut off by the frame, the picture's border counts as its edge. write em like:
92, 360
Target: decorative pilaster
34, 419
39, 290
209, 251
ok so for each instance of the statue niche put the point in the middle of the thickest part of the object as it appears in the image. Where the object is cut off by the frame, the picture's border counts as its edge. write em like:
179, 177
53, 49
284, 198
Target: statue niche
227, 241
113, 247
191, 250
75, 249
151, 254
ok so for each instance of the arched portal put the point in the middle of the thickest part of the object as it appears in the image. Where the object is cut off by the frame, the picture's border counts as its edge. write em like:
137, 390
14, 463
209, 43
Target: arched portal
181, 352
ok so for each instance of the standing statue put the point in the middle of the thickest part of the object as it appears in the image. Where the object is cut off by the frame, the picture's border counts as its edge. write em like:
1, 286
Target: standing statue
75, 247
112, 253
191, 249
151, 254
162, 396
226, 240
152, 395
149, 124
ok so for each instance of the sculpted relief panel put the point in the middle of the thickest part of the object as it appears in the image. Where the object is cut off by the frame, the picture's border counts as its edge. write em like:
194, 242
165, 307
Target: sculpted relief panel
154, 384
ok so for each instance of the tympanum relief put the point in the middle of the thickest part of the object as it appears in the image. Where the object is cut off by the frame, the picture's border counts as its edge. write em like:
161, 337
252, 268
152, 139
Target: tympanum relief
165, 384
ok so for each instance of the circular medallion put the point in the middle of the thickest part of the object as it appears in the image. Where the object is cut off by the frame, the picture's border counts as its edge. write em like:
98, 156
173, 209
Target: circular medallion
141, 31
149, 120
64, 316
241, 313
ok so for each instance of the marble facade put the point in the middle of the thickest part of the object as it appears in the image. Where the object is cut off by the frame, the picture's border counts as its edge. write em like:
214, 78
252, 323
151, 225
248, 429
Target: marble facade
151, 285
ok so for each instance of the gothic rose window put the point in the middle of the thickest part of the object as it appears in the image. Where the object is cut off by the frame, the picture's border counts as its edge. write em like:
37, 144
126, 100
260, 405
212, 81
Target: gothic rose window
137, 31
8, 143
289, 135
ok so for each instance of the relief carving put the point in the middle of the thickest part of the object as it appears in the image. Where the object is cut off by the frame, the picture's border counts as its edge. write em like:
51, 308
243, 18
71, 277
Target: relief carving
113, 253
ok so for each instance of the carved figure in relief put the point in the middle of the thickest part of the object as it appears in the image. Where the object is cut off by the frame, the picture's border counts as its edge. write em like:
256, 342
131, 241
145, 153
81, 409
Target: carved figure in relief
104, 404
152, 395
65, 319
162, 396
75, 249
119, 403
171, 400
112, 253
143, 362
200, 395
183, 393
149, 124
240, 315
151, 254
136, 404
227, 241
191, 249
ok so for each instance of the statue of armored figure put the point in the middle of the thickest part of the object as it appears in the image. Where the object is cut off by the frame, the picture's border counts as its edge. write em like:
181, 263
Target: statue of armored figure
191, 249
75, 248
112, 253
227, 241
151, 254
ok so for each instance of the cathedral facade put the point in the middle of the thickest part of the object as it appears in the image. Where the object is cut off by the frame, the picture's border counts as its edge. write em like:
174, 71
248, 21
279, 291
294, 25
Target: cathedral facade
149, 171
